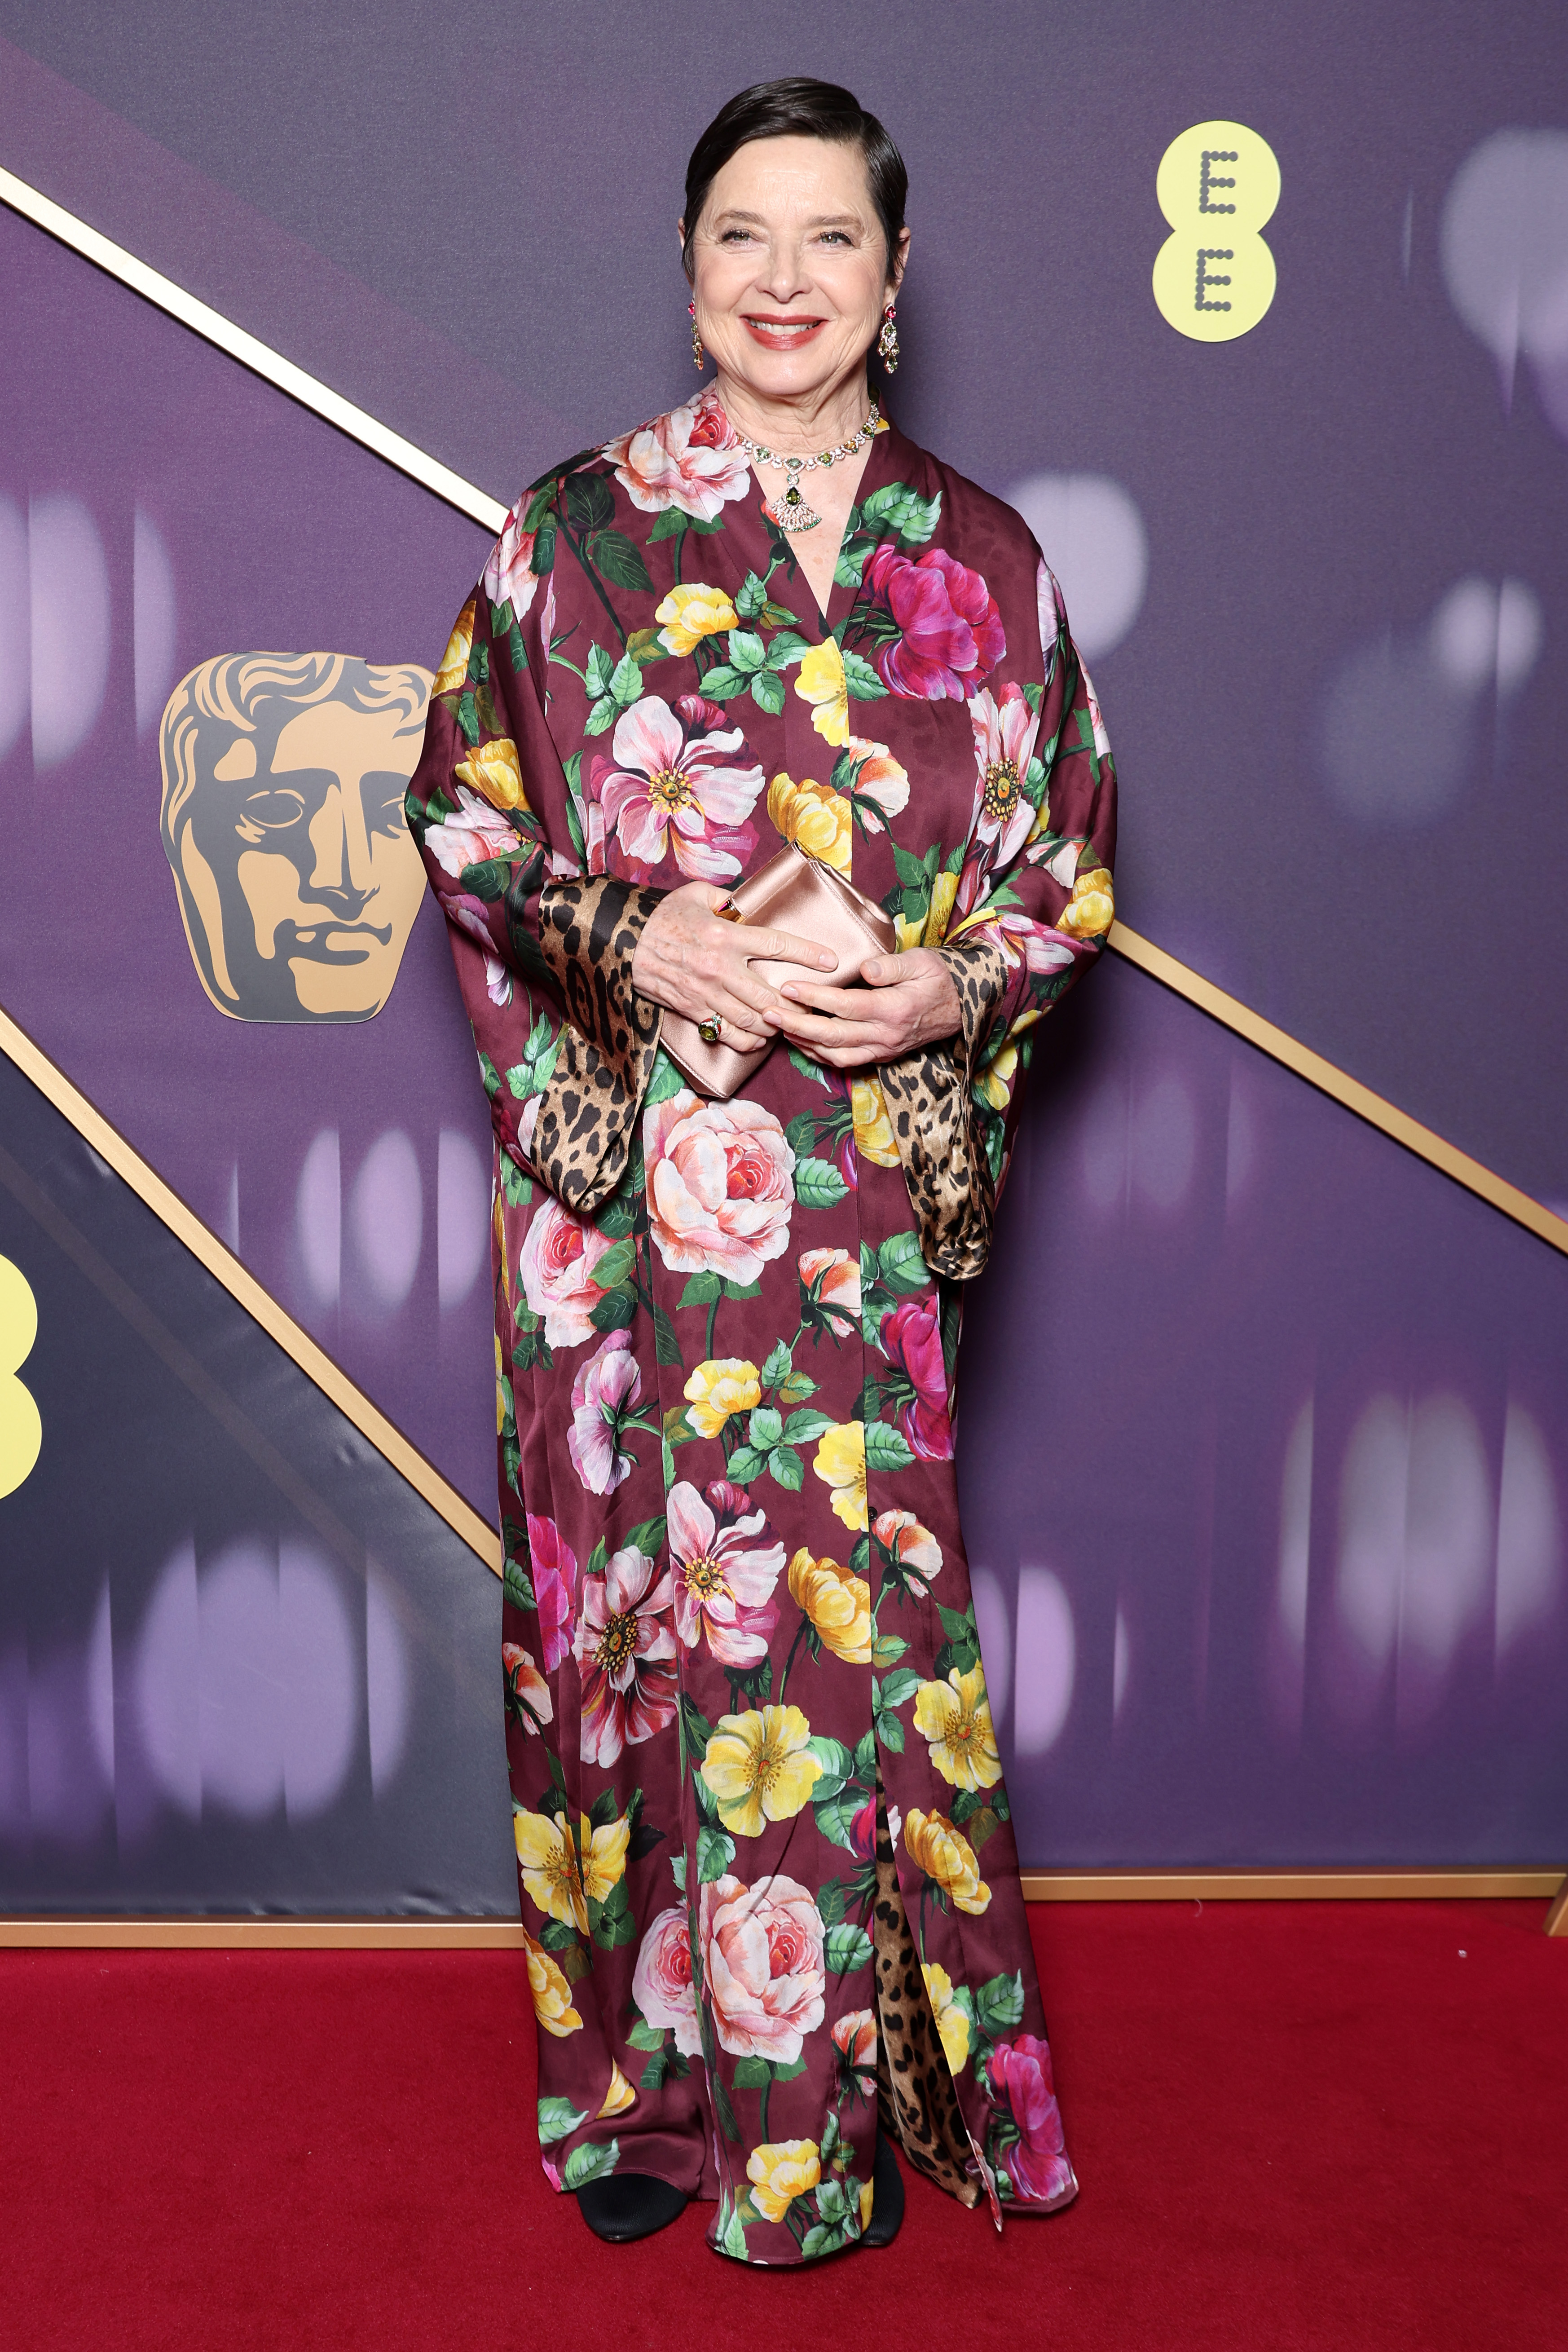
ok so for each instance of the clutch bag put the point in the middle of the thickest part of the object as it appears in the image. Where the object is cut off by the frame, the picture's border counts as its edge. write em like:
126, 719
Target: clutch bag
793, 892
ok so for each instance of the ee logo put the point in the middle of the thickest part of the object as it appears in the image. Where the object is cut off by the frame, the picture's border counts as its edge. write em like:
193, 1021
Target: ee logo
21, 1430
1217, 186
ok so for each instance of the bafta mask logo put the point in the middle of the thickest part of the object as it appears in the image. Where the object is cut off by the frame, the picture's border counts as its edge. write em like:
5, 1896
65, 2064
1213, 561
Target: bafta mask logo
284, 777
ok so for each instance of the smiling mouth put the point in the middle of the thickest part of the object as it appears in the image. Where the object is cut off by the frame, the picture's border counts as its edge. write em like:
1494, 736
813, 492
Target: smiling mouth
782, 334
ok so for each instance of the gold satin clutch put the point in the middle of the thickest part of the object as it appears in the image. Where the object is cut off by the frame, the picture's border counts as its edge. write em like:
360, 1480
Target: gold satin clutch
793, 892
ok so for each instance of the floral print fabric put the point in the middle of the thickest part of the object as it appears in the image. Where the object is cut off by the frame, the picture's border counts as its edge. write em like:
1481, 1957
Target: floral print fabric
735, 1577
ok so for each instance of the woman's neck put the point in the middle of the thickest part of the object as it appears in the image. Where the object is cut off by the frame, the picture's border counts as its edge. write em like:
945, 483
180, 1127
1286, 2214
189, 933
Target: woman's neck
799, 427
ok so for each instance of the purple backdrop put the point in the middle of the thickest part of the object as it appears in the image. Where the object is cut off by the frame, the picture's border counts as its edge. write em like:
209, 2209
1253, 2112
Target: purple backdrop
1276, 1573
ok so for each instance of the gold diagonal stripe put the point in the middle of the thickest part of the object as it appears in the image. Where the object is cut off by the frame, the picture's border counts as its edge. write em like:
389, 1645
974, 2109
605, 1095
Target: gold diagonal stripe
222, 1263
1494, 1189
259, 357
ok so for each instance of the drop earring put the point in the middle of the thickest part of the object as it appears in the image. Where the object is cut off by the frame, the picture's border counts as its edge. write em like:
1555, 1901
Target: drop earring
697, 336
887, 342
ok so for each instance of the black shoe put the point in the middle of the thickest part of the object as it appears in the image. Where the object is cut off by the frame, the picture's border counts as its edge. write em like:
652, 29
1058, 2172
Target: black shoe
887, 2197
627, 2205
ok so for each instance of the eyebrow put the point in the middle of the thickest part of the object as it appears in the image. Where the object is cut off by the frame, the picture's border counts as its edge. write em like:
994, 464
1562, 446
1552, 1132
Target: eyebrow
820, 220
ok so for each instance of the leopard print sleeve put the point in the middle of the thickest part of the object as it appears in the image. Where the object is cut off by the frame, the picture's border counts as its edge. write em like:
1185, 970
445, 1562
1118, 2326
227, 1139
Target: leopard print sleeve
930, 1102
582, 1136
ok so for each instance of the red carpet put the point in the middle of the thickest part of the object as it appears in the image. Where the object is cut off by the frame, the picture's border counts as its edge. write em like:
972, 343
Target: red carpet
1308, 2126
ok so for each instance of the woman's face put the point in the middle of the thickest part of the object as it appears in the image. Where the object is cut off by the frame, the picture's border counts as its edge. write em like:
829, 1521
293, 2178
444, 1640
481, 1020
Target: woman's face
790, 267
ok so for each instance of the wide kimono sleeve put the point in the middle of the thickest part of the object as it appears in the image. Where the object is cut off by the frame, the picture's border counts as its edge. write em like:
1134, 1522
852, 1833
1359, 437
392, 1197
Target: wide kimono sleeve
1030, 907
543, 951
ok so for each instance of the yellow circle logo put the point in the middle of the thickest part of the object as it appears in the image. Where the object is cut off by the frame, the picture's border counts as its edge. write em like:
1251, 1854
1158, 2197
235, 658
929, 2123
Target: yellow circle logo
1217, 186
21, 1430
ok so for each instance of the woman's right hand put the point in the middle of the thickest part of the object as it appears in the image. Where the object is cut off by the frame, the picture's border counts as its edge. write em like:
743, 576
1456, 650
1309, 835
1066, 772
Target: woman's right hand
692, 961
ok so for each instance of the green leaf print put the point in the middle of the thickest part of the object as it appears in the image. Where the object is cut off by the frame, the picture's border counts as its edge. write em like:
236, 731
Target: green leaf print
715, 1852
556, 2117
732, 2236
818, 1184
590, 502
765, 1428
835, 1816
899, 1263
767, 692
643, 2036
722, 681
846, 1947
745, 1464
616, 1265
615, 1311
802, 1428
556, 1936
787, 1467
861, 680
752, 2073
722, 2109
998, 2006
591, 2161
777, 1366
515, 1584
837, 1765
896, 509
647, 1535
896, 1689
619, 559
701, 1290
626, 681
665, 1082
517, 1187
831, 1901
886, 1448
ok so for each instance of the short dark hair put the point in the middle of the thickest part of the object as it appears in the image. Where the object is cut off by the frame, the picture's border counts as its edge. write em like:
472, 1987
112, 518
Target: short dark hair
799, 107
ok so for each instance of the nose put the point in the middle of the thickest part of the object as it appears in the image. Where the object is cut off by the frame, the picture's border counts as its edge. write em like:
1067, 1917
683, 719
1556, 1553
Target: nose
341, 876
783, 276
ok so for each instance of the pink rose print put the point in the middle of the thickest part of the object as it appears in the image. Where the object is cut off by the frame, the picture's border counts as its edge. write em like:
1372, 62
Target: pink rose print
508, 574
554, 1266
726, 1561
763, 1959
604, 1392
670, 788
662, 1981
1020, 2080
472, 836
836, 1277
625, 1649
720, 1185
935, 625
854, 2038
528, 1693
552, 1570
862, 1838
690, 459
912, 1341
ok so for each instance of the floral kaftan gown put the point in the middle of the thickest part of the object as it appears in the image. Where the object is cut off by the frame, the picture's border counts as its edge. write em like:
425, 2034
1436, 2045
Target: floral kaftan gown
740, 1640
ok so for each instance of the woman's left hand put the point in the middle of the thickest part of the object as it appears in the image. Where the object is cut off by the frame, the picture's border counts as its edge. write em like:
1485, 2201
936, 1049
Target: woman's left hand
911, 1002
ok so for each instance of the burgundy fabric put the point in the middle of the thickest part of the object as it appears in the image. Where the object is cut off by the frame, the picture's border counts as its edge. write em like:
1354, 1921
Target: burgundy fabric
1300, 2127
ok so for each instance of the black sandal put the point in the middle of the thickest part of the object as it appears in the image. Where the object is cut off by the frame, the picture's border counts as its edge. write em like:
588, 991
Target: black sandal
627, 2205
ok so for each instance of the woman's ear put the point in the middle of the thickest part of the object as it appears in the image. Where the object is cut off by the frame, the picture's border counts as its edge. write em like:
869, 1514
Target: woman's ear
900, 263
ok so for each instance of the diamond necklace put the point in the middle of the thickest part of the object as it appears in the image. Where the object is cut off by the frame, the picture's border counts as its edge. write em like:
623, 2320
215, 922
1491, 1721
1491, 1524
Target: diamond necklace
791, 512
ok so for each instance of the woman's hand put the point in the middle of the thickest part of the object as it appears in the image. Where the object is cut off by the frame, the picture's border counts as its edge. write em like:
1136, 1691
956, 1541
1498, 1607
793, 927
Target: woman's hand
692, 961
913, 1003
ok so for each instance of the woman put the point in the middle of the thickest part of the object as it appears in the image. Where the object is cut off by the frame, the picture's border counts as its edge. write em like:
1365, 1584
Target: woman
767, 1870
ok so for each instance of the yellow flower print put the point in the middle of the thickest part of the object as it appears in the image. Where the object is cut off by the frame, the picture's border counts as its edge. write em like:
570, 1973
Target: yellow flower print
956, 1723
874, 1129
840, 1462
995, 1083
760, 1767
552, 1992
454, 669
721, 1386
500, 1388
820, 682
1093, 908
492, 772
931, 931
693, 613
561, 1878
868, 2190
951, 2023
948, 1859
815, 818
619, 2096
837, 1603
779, 2171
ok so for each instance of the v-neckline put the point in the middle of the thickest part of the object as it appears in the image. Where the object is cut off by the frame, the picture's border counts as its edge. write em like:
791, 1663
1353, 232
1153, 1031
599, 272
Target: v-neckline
840, 596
